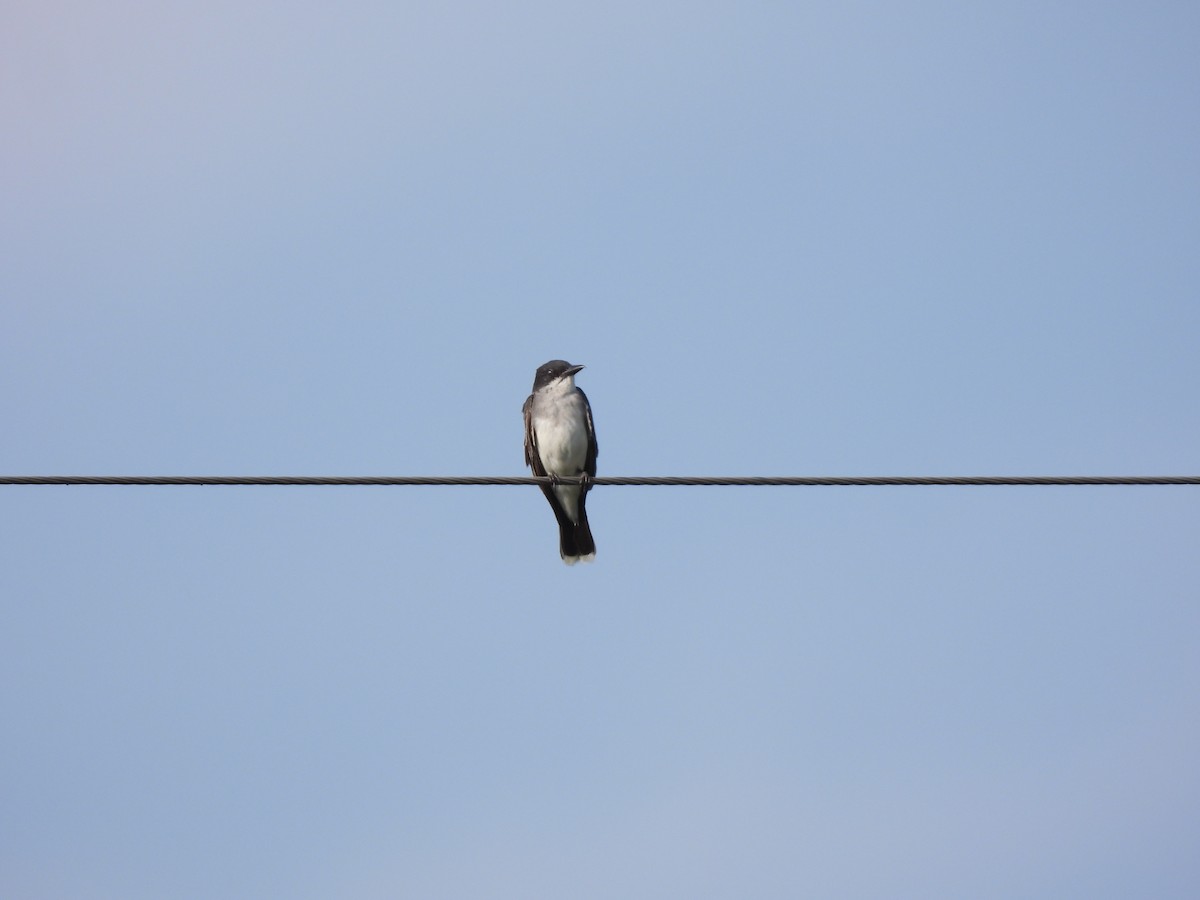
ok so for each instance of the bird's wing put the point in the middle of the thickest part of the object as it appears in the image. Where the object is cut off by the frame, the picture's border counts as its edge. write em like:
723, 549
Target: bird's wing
532, 459
593, 450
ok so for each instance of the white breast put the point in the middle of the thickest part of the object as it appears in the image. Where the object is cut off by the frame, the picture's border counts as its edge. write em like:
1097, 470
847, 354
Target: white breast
561, 429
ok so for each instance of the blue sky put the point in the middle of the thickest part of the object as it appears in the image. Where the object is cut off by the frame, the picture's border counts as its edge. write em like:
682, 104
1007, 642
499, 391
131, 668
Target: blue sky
823, 239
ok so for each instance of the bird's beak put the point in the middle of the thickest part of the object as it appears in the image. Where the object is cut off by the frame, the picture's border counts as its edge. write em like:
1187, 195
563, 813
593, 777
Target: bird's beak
573, 370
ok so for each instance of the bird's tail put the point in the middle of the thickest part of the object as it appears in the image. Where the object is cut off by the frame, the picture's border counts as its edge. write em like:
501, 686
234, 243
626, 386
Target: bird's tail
575, 539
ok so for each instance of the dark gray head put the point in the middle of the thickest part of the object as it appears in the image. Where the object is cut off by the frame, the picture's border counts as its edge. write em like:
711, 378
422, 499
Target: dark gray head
552, 371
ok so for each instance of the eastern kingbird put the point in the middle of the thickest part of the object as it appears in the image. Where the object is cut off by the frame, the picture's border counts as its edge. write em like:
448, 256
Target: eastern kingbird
560, 440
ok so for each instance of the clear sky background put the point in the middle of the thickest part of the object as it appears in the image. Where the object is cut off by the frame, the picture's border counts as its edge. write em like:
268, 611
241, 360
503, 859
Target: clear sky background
820, 239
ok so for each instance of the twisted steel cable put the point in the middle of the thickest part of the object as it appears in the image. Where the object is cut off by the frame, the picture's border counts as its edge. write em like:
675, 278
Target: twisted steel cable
618, 480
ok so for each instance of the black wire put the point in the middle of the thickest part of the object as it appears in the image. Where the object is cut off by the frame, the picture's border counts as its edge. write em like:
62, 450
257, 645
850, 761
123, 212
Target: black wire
630, 481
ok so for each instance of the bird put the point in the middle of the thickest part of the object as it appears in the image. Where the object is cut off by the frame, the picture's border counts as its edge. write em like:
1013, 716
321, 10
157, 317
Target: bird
560, 442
